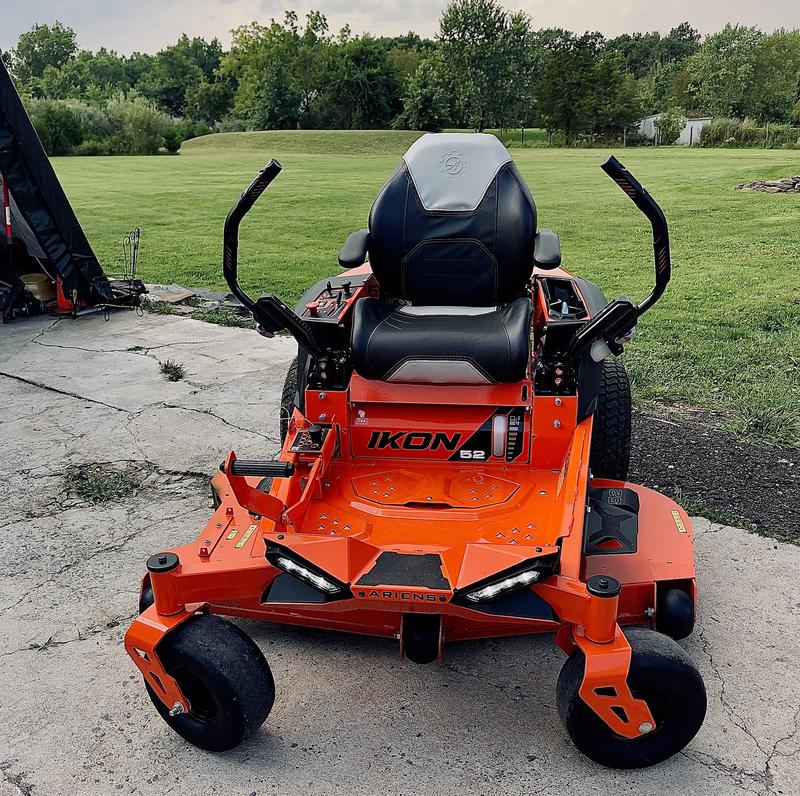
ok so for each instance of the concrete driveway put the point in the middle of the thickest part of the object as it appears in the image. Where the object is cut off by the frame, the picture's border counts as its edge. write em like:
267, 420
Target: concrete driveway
350, 718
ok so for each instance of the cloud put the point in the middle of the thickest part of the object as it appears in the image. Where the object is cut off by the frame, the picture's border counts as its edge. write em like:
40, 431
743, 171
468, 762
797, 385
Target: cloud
150, 24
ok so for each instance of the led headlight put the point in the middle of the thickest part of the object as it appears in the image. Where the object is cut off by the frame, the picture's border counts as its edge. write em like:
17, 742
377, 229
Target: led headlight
494, 590
514, 579
312, 578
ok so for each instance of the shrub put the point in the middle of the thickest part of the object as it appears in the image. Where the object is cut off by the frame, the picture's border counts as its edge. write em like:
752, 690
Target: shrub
139, 127
669, 126
94, 122
58, 126
635, 138
231, 124
94, 146
738, 133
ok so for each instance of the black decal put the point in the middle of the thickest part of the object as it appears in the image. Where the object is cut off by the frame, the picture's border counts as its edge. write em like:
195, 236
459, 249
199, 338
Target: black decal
387, 440
424, 442
441, 440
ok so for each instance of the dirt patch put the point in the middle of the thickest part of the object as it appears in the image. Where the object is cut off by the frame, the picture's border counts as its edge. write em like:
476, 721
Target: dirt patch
709, 471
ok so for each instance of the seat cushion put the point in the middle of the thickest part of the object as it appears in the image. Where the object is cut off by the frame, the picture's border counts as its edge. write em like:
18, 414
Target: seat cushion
441, 345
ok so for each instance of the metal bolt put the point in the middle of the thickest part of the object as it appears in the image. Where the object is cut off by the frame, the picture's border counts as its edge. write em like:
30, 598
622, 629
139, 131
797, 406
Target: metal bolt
322, 396
323, 416
645, 727
178, 708
207, 541
558, 402
650, 613
162, 560
556, 424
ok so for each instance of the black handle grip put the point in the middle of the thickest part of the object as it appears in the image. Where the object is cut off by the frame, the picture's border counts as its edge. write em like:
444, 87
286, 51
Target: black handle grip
264, 469
655, 215
230, 254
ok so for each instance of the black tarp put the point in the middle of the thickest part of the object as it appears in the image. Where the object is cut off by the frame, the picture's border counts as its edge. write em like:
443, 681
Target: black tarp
40, 207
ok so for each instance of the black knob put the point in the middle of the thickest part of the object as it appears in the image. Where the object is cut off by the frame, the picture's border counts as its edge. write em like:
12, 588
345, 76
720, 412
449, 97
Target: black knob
328, 290
346, 289
315, 435
603, 586
162, 562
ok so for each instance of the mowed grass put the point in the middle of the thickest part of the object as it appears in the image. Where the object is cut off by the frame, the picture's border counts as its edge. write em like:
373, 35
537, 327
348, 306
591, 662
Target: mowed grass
726, 335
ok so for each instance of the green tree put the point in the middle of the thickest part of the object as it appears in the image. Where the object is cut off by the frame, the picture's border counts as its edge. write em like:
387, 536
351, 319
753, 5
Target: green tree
424, 106
612, 100
721, 73
41, 47
640, 51
679, 44
362, 89
209, 101
563, 94
487, 62
775, 80
172, 74
279, 69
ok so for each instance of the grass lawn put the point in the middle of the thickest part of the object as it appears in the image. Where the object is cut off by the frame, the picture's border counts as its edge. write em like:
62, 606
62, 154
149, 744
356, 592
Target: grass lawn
726, 335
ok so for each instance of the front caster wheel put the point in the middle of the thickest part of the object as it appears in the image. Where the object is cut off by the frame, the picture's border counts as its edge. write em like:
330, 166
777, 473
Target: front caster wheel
662, 674
225, 677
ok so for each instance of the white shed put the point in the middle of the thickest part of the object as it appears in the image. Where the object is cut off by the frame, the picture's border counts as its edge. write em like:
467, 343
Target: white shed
691, 132
689, 135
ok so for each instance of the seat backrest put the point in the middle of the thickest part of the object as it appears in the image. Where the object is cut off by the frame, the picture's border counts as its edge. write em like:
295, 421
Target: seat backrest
454, 225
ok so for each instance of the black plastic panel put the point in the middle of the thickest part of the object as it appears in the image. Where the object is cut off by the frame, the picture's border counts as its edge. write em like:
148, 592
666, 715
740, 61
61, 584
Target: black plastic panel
398, 569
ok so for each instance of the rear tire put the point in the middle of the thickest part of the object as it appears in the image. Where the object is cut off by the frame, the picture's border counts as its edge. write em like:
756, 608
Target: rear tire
225, 677
611, 430
287, 398
664, 676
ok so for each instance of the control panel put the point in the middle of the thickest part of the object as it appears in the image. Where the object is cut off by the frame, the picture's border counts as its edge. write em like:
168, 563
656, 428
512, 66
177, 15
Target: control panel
331, 302
309, 440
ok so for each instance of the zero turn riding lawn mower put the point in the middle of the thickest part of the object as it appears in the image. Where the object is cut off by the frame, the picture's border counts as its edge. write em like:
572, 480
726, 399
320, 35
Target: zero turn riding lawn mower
456, 436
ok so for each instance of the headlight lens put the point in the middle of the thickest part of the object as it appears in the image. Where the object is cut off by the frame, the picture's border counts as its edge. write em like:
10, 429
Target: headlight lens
494, 590
312, 578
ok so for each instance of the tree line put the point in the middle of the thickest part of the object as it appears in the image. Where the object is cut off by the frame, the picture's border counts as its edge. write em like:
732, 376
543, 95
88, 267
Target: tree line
486, 68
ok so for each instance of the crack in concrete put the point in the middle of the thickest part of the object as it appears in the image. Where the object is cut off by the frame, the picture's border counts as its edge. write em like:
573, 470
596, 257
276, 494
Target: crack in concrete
268, 437
58, 391
515, 698
764, 778
82, 635
113, 547
136, 414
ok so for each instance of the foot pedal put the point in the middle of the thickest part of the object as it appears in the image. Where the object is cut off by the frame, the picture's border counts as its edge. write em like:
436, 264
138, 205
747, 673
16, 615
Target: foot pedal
612, 522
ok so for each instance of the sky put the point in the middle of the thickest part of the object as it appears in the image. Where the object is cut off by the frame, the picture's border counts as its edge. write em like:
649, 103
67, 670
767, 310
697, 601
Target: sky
148, 25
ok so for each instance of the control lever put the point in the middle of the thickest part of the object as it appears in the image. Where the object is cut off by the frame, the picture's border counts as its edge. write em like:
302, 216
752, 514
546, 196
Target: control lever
616, 319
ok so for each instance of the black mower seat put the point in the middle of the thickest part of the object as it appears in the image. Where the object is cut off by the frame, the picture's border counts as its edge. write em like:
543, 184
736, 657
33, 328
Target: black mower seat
441, 345
451, 243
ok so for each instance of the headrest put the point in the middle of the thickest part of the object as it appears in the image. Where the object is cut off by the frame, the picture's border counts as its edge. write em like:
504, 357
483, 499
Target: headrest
453, 171
455, 224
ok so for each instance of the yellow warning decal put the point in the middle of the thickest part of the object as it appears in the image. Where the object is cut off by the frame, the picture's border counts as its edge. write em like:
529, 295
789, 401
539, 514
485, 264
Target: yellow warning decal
676, 516
233, 533
247, 534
